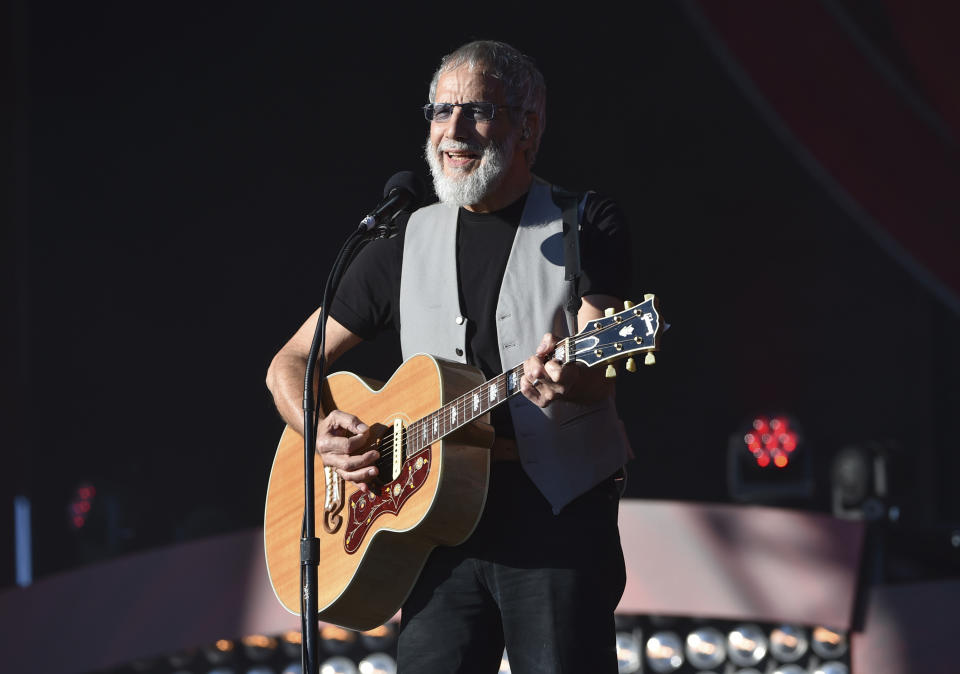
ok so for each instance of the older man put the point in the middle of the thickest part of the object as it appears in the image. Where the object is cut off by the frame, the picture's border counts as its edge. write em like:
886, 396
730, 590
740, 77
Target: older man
479, 278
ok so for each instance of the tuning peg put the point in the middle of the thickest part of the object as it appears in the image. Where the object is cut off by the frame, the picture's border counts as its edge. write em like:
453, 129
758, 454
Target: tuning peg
611, 372
648, 296
649, 359
627, 304
609, 311
631, 365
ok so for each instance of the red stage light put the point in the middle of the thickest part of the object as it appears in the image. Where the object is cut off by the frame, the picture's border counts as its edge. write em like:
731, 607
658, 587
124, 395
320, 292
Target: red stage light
771, 441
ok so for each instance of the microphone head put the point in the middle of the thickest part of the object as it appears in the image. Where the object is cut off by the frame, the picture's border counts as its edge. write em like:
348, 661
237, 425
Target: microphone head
406, 181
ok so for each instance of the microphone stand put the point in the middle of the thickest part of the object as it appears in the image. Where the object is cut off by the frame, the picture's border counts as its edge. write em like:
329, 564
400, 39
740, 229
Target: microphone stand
309, 543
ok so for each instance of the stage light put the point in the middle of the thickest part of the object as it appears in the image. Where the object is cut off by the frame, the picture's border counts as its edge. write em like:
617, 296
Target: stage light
664, 652
338, 665
292, 668
790, 669
628, 653
859, 482
378, 663
832, 668
221, 652
290, 644
705, 648
788, 643
379, 638
829, 644
767, 462
258, 647
260, 670
336, 639
746, 645
80, 506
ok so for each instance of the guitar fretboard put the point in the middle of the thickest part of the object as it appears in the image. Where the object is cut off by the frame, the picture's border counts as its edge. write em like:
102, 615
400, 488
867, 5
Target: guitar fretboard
470, 406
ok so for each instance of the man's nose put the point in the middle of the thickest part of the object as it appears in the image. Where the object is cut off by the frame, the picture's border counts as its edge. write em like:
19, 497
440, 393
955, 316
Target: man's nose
458, 126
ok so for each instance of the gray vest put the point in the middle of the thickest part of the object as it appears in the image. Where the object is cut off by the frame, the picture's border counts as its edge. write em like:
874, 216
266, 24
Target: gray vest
565, 448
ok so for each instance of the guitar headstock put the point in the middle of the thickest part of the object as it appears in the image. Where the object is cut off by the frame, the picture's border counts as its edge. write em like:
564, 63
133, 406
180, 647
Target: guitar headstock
619, 335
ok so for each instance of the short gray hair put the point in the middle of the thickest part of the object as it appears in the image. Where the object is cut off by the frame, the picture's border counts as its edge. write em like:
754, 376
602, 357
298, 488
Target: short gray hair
522, 80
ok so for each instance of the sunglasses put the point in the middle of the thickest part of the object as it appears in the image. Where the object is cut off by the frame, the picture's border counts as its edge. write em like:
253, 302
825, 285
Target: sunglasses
479, 111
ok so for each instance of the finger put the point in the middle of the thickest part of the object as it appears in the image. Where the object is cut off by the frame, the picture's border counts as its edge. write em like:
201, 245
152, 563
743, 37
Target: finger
359, 477
345, 421
547, 345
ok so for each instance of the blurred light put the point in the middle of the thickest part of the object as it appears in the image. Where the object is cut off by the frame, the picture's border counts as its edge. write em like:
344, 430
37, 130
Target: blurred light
338, 665
790, 669
750, 670
81, 503
261, 670
664, 652
628, 653
221, 652
705, 648
504, 663
336, 639
378, 663
771, 440
259, 647
379, 638
746, 645
832, 668
23, 539
290, 643
221, 670
828, 643
292, 668
788, 643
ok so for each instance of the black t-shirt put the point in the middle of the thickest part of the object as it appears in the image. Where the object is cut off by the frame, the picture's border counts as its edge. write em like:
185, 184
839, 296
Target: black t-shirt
368, 299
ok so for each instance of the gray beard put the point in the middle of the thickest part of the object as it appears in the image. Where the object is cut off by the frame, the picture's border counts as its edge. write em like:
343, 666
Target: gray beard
472, 187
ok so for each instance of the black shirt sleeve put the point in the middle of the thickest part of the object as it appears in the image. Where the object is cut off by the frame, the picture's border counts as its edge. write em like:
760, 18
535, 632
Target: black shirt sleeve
368, 299
606, 261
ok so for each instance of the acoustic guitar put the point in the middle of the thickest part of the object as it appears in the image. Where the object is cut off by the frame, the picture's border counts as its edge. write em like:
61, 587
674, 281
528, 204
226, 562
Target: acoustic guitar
430, 424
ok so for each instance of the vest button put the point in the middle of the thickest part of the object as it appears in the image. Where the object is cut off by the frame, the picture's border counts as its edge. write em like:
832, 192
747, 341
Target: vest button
459, 351
460, 320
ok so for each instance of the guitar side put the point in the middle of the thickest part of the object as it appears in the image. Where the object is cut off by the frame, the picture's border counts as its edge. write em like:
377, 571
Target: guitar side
365, 588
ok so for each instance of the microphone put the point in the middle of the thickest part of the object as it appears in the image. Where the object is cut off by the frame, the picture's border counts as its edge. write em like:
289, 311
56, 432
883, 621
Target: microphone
404, 191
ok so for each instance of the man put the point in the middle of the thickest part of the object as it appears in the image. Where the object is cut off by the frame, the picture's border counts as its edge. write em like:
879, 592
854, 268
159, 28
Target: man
479, 278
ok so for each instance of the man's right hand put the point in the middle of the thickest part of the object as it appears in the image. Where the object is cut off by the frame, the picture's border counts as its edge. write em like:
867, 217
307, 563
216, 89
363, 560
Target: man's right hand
342, 442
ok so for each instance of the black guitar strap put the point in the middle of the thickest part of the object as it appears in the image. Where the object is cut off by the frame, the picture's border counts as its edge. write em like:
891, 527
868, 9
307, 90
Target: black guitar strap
569, 204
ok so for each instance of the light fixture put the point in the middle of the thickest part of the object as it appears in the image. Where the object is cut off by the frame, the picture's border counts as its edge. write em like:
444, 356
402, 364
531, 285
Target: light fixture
788, 643
378, 663
379, 638
259, 647
705, 648
746, 645
337, 640
828, 643
628, 653
832, 667
767, 461
664, 652
338, 665
790, 669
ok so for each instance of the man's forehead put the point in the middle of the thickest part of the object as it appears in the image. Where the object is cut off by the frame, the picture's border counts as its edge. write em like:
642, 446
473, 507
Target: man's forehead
468, 83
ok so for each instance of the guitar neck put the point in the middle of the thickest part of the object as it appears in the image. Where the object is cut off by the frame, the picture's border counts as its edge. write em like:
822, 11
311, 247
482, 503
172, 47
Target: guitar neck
471, 405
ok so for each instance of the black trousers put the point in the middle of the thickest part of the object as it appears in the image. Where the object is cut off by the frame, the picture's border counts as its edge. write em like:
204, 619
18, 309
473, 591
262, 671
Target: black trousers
544, 586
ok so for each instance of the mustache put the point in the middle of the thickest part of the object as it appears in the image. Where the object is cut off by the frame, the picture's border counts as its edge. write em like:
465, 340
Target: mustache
448, 145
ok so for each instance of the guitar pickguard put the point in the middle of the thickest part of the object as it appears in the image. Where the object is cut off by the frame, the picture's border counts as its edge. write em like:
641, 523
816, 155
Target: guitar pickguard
389, 499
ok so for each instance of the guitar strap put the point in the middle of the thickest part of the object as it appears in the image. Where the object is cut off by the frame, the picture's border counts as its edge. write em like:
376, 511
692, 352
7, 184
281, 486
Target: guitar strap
569, 204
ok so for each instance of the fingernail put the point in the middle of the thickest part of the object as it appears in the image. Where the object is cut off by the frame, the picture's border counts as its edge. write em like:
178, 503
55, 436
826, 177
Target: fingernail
371, 472
362, 427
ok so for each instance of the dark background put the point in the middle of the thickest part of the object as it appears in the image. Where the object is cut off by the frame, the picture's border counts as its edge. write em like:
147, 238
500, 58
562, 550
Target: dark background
182, 176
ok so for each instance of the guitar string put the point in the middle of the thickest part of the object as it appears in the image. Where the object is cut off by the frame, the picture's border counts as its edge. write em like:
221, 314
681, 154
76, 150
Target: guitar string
460, 403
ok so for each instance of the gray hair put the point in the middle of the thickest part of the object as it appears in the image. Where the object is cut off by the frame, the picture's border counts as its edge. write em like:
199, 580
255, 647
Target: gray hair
522, 80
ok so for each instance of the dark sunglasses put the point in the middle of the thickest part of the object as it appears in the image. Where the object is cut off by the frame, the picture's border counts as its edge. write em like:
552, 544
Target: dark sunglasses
479, 111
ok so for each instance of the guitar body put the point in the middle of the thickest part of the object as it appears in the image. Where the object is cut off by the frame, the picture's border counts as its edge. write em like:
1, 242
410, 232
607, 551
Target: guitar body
372, 550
